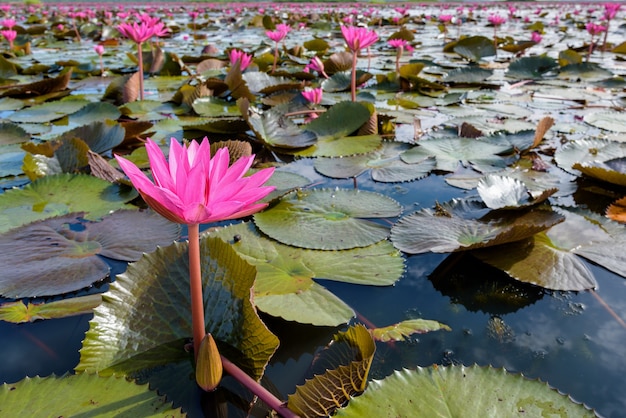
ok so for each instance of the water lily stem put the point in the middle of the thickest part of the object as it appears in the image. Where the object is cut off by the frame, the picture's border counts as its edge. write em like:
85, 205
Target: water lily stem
195, 282
140, 58
252, 385
353, 78
275, 58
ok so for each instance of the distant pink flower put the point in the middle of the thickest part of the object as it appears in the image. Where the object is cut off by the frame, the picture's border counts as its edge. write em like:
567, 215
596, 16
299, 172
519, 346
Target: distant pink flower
8, 23
496, 20
9, 35
99, 49
193, 188
358, 38
235, 55
594, 29
283, 27
445, 18
400, 45
536, 37
610, 10
313, 95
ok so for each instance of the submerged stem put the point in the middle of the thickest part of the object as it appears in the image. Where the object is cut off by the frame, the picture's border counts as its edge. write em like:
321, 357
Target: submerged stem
252, 385
195, 282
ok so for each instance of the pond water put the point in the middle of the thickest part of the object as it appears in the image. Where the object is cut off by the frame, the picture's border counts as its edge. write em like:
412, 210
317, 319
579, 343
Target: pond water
574, 341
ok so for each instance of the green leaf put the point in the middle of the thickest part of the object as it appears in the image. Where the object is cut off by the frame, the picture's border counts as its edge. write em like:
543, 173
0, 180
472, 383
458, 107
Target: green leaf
19, 312
531, 67
588, 71
274, 129
404, 329
328, 219
11, 133
341, 147
285, 285
61, 194
587, 151
385, 165
551, 259
450, 152
474, 48
457, 391
340, 120
325, 392
426, 231
94, 112
100, 136
471, 74
47, 112
83, 395
214, 107
64, 260
144, 318
610, 121
611, 171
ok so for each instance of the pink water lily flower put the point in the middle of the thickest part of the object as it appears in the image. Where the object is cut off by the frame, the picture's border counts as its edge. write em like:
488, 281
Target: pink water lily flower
141, 32
244, 59
496, 20
536, 37
9, 35
313, 95
316, 64
594, 28
193, 188
358, 38
8, 23
276, 35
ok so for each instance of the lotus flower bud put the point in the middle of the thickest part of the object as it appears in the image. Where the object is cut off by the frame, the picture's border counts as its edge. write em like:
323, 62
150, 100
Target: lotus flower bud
208, 365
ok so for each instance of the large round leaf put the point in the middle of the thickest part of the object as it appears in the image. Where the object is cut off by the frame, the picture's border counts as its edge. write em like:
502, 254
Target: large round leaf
61, 194
588, 151
340, 120
328, 219
285, 285
144, 319
611, 121
460, 391
426, 231
474, 48
83, 395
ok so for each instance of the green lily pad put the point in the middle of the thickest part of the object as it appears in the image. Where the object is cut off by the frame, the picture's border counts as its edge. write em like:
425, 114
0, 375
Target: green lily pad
552, 259
611, 171
475, 48
428, 231
457, 391
341, 147
610, 121
284, 284
340, 120
83, 395
61, 194
328, 219
404, 329
589, 71
11, 133
452, 152
588, 151
385, 165
20, 312
65, 260
100, 136
274, 129
214, 107
47, 112
501, 192
472, 74
94, 112
531, 67
144, 319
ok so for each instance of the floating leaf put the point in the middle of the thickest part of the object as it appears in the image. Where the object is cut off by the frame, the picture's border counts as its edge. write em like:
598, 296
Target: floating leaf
42, 87
531, 67
474, 48
214, 107
11, 133
140, 323
472, 74
19, 312
404, 329
84, 395
284, 284
451, 152
47, 112
324, 393
588, 151
340, 120
385, 165
340, 147
328, 219
611, 171
617, 210
60, 194
456, 391
589, 71
551, 259
611, 121
500, 192
64, 260
426, 231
